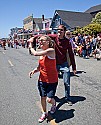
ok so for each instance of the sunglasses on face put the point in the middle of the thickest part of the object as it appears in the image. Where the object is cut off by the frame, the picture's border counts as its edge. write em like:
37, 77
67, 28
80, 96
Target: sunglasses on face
41, 40
60, 30
67, 34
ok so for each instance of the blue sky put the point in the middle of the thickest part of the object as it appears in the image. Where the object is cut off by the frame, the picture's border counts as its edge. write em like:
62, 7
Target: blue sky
13, 12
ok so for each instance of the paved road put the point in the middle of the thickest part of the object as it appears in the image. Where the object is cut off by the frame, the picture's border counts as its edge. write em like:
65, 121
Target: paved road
19, 98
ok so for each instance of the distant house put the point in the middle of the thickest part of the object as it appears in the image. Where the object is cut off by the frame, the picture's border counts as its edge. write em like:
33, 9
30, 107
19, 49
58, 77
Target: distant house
43, 24
74, 19
30, 26
14, 31
94, 10
70, 19
46, 22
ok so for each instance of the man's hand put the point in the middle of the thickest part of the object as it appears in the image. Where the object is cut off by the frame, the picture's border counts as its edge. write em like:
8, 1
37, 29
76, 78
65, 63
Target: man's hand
74, 71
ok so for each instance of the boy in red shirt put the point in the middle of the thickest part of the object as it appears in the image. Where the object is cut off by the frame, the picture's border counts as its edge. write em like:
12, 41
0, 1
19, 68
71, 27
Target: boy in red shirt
48, 78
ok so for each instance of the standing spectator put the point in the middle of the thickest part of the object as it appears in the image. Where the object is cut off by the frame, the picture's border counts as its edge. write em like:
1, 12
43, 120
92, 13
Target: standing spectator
94, 43
84, 53
0, 43
48, 78
88, 46
62, 45
4, 44
68, 35
8, 42
16, 44
97, 51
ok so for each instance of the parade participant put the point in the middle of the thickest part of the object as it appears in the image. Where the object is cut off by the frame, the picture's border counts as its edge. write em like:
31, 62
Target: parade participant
48, 78
4, 44
62, 45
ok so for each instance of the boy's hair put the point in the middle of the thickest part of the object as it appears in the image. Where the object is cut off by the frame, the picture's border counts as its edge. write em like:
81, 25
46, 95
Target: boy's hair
51, 42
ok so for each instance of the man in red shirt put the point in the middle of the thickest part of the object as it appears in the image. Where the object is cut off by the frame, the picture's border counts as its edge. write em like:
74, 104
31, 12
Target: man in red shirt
62, 45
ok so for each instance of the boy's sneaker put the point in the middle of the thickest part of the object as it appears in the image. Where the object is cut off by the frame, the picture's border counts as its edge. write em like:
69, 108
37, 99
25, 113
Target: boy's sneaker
43, 117
53, 109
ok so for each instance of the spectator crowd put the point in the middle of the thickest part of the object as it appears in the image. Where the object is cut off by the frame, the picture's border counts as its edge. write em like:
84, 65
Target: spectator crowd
85, 46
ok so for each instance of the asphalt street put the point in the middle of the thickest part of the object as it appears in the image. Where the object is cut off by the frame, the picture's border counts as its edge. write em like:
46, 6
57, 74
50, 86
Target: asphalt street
19, 97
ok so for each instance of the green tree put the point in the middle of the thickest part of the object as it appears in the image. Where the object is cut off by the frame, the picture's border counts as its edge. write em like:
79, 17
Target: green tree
93, 28
97, 18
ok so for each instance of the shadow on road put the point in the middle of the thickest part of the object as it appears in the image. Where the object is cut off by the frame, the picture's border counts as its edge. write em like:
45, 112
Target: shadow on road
61, 115
78, 72
74, 99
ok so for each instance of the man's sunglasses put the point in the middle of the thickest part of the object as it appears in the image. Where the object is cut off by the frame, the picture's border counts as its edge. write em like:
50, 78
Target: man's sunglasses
60, 29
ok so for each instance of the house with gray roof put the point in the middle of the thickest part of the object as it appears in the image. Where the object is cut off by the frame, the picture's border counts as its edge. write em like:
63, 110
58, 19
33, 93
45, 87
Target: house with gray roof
94, 10
74, 19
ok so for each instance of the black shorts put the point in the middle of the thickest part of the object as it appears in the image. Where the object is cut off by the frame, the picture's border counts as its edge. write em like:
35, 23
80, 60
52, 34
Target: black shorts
47, 89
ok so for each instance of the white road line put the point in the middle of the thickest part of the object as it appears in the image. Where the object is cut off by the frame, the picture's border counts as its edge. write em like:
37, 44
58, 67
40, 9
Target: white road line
10, 63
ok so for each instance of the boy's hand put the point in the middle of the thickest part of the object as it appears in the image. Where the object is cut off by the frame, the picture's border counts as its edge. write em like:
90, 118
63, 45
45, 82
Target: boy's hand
30, 74
33, 71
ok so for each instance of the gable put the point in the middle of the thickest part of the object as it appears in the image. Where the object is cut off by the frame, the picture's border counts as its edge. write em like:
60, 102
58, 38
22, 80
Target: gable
93, 9
73, 19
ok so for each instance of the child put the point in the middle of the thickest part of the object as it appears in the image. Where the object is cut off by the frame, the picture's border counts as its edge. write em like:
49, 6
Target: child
48, 78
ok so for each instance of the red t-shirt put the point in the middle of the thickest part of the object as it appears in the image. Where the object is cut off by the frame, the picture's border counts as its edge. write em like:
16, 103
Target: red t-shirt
48, 71
61, 47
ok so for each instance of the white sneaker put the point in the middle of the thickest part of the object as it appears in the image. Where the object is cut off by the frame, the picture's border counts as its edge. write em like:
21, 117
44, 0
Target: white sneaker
43, 117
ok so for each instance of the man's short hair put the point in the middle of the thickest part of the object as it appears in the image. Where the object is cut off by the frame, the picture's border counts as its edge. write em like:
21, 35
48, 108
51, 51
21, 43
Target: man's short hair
63, 26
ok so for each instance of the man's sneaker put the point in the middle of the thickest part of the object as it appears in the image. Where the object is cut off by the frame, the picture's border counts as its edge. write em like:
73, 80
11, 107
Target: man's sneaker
43, 117
53, 109
69, 102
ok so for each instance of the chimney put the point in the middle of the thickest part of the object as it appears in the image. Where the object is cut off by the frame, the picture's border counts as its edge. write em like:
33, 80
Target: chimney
42, 17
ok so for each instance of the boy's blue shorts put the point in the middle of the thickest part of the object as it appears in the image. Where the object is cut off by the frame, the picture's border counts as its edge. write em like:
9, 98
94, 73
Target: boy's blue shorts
47, 89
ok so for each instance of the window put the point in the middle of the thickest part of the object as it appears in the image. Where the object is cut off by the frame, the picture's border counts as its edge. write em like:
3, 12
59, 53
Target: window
60, 21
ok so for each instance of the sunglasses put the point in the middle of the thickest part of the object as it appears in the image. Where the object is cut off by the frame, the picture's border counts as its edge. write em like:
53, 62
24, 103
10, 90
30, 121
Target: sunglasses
60, 29
41, 40
67, 34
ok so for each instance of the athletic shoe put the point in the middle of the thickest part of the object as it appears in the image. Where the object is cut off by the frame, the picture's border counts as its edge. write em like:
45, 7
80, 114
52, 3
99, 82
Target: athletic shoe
69, 103
43, 117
